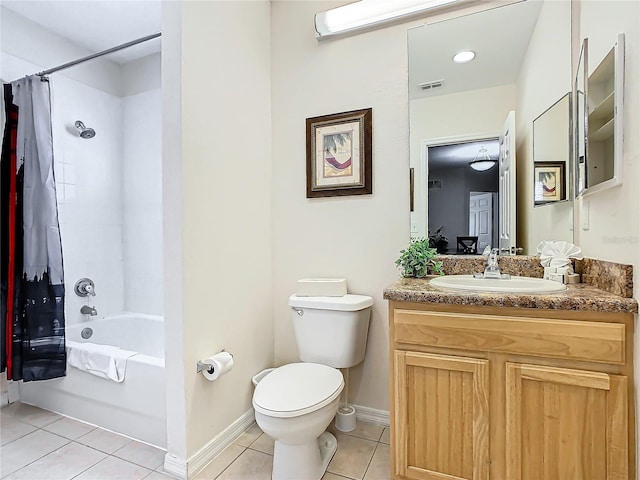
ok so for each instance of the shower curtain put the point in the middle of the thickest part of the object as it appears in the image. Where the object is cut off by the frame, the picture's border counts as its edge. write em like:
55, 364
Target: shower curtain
31, 277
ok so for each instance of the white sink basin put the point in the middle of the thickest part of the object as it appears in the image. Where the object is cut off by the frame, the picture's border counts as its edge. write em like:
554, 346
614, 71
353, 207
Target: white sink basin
512, 285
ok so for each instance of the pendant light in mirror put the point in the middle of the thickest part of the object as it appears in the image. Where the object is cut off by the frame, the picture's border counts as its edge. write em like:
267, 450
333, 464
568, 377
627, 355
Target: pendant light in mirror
482, 162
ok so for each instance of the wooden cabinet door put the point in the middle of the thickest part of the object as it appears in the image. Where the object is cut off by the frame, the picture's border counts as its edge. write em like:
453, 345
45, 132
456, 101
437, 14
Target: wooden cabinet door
565, 424
441, 417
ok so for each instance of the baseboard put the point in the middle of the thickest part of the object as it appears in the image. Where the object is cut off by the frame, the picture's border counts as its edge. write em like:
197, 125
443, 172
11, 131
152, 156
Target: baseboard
175, 466
371, 415
188, 469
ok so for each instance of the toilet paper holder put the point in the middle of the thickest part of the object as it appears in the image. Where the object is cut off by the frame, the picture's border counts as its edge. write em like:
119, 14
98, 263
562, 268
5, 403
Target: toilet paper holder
200, 366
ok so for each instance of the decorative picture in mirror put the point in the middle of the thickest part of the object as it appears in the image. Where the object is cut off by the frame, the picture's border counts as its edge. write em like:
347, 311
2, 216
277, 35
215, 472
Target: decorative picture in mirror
549, 182
552, 153
599, 106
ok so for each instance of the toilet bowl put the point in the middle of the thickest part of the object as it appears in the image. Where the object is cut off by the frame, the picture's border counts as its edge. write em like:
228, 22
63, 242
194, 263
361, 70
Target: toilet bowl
294, 404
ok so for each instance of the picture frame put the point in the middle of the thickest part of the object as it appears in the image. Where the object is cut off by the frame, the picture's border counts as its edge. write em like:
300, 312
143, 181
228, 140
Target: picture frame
549, 182
339, 154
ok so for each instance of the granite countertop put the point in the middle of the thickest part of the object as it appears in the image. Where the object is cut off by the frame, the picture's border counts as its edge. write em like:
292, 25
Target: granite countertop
577, 297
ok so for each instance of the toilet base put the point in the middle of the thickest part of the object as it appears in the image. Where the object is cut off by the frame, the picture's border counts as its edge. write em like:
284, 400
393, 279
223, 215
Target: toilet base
307, 461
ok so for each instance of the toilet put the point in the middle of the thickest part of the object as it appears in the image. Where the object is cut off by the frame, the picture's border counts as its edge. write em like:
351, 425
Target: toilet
295, 403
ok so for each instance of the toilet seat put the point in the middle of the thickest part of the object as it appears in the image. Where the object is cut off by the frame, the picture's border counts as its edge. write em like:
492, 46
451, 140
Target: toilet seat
297, 389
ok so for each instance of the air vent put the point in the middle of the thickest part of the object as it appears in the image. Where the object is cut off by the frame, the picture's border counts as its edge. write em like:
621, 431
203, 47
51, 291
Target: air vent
431, 85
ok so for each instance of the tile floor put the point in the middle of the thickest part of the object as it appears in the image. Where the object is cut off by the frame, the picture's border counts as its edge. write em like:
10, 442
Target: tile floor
362, 455
41, 445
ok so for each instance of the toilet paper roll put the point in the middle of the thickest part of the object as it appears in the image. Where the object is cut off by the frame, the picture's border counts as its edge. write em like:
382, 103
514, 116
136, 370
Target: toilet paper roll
219, 364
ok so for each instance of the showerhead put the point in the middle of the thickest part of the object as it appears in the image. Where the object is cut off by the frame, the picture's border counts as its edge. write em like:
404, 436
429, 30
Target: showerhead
84, 131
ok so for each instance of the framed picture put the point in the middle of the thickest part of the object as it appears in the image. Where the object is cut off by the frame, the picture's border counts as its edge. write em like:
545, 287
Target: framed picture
339, 154
549, 181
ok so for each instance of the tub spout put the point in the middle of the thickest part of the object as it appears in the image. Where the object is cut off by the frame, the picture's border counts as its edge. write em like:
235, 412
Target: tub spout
87, 310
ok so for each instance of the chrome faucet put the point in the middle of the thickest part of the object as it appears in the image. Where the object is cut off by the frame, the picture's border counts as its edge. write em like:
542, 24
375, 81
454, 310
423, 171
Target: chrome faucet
492, 270
88, 310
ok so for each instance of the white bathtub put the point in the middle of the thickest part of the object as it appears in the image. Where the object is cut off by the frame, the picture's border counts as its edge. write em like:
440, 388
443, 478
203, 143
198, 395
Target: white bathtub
135, 407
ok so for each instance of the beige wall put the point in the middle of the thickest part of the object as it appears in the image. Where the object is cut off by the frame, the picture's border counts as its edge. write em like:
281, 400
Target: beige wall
545, 76
225, 101
355, 237
478, 113
613, 214
219, 167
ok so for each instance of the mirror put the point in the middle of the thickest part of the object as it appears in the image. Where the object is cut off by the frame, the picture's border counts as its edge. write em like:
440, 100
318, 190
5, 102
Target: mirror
599, 108
581, 121
552, 154
493, 98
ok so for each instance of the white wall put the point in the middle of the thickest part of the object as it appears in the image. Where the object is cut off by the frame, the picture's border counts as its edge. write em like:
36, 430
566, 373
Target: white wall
478, 113
25, 39
545, 77
217, 162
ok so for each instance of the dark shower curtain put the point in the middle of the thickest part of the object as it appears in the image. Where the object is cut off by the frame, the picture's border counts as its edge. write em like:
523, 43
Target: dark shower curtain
31, 276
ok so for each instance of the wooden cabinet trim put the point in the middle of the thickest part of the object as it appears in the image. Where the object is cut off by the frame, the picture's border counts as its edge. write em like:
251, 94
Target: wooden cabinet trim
444, 362
617, 433
578, 378
617, 447
479, 369
590, 341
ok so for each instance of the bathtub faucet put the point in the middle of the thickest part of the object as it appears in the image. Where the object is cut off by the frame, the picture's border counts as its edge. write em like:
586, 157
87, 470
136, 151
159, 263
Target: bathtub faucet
87, 310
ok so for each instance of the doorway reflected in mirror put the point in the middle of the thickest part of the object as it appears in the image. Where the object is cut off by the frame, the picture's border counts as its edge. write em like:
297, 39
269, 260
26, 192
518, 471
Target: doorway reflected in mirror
463, 201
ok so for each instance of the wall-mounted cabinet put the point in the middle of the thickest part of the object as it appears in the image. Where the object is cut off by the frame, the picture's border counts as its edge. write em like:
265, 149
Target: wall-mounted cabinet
599, 114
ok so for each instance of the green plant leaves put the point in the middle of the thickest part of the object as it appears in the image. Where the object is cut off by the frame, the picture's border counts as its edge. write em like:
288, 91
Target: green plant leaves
417, 260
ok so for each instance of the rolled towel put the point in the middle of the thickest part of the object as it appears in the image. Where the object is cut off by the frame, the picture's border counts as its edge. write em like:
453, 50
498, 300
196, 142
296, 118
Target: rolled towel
558, 253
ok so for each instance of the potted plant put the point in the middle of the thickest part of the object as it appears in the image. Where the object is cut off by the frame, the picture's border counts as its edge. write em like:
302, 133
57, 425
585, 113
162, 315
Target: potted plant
418, 260
437, 240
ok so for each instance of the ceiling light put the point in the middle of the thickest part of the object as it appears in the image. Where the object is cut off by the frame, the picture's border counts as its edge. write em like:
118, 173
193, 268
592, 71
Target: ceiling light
482, 161
366, 13
464, 56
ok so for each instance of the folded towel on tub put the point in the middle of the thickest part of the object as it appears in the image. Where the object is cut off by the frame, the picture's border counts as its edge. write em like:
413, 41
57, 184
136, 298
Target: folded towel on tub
104, 361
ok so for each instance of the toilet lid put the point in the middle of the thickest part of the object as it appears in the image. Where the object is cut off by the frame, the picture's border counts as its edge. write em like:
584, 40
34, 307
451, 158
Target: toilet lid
296, 389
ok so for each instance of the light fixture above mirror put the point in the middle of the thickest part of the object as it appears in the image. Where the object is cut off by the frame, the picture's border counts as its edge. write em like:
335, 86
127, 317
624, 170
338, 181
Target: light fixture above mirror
370, 13
482, 161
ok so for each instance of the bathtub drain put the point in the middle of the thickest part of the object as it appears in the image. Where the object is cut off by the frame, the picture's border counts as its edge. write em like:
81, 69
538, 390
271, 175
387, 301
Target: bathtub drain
86, 333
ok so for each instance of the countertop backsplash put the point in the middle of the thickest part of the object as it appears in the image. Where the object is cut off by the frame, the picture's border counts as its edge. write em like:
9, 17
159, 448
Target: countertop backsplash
615, 278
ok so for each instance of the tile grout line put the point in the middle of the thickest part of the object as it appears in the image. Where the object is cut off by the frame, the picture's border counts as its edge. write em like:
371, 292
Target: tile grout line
89, 467
69, 441
41, 457
370, 460
232, 462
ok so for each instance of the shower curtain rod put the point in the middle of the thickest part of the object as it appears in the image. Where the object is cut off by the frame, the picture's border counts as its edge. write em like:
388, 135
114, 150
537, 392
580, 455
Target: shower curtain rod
99, 54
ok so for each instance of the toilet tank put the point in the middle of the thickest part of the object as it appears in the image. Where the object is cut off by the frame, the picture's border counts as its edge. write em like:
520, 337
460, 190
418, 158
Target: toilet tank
331, 330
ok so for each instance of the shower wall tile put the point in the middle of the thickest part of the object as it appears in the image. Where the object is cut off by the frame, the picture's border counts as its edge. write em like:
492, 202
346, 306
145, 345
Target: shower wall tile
69, 192
142, 202
89, 183
109, 192
69, 173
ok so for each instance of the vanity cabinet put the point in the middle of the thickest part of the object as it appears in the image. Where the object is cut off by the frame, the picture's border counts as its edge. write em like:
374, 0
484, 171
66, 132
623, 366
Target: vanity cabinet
504, 393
